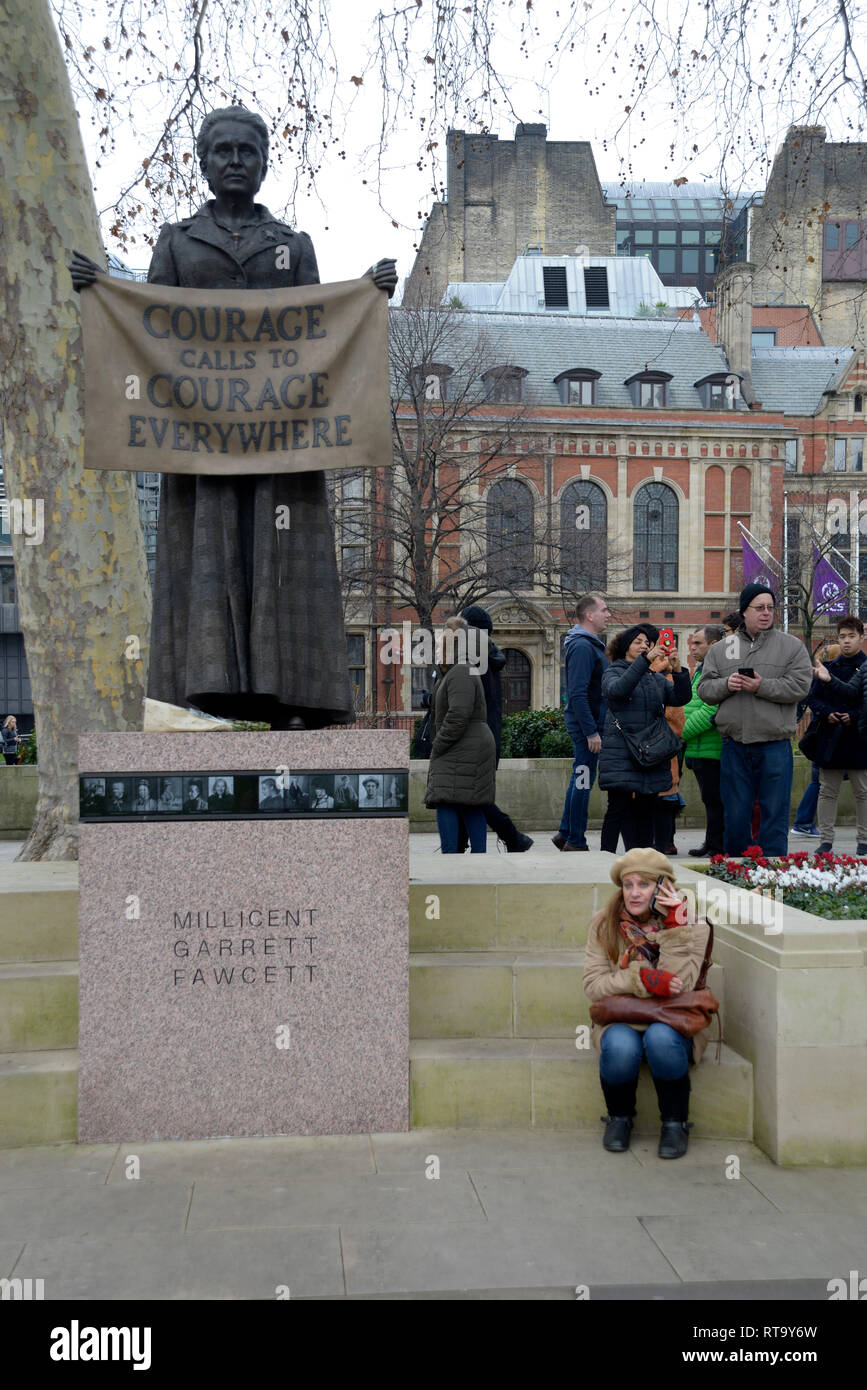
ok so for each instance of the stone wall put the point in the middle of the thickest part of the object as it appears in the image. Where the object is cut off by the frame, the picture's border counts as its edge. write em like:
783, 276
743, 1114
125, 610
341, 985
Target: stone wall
532, 790
18, 791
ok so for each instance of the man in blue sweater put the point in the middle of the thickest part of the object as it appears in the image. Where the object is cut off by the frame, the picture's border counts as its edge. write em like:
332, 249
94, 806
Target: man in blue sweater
584, 714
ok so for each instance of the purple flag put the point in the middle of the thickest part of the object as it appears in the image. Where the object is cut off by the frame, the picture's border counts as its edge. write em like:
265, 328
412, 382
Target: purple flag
757, 570
830, 590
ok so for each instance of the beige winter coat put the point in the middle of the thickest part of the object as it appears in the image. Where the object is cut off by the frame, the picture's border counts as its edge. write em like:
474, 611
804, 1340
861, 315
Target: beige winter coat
784, 665
681, 951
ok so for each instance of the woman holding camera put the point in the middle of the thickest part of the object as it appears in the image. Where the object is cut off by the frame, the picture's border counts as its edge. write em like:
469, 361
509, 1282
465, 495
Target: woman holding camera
645, 943
636, 697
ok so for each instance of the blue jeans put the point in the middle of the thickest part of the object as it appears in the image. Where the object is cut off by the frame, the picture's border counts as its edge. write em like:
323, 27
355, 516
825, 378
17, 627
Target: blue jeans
573, 822
668, 1052
806, 812
747, 771
449, 820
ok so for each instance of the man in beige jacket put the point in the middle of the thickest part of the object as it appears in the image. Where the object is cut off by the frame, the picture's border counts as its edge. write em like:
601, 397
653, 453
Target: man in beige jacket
757, 676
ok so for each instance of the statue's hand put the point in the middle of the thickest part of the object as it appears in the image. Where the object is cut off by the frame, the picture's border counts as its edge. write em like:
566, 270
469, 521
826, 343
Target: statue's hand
384, 276
83, 271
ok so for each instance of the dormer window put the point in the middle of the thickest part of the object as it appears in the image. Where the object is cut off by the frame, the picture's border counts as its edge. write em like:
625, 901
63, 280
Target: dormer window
431, 381
505, 384
649, 388
577, 386
719, 391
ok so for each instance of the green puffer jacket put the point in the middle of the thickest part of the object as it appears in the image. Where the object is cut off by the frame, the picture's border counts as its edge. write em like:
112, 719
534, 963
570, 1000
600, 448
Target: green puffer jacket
463, 758
702, 738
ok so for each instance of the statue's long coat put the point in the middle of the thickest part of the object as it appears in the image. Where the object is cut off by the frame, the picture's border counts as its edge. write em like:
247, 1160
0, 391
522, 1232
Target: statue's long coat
247, 619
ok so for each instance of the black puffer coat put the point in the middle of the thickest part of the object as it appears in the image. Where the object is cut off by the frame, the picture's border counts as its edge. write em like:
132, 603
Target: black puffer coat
837, 745
463, 753
634, 694
853, 692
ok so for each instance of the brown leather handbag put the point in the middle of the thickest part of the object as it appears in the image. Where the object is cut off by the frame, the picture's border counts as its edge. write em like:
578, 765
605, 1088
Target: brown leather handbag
688, 1013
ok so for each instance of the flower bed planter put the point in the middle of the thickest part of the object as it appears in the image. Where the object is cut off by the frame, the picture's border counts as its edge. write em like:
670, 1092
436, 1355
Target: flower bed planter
833, 886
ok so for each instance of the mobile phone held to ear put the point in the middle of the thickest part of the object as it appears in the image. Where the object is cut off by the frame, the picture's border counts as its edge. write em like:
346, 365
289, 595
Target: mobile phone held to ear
659, 883
666, 639
746, 671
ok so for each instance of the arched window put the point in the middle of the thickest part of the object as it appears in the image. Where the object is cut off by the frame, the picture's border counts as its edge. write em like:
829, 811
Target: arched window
655, 538
510, 534
583, 537
505, 384
577, 386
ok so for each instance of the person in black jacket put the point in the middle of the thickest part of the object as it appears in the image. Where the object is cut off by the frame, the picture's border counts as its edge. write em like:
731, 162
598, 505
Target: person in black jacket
636, 698
492, 685
838, 747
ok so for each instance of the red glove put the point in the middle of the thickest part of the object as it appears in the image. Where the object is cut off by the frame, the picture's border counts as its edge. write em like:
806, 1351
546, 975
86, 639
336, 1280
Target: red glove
657, 981
676, 916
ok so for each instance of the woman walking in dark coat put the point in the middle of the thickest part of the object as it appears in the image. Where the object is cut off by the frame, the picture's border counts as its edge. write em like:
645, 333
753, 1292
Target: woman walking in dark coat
502, 825
636, 697
462, 771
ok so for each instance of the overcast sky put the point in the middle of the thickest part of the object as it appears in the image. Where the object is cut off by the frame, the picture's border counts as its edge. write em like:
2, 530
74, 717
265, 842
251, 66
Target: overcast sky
583, 97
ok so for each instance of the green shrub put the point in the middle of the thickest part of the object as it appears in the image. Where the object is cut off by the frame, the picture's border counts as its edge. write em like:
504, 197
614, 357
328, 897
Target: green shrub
27, 749
556, 744
524, 732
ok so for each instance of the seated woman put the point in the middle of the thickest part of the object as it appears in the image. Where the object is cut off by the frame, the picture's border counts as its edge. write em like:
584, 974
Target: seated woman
633, 951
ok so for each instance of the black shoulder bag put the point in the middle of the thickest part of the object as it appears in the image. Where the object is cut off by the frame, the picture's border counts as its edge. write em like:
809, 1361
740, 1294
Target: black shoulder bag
656, 744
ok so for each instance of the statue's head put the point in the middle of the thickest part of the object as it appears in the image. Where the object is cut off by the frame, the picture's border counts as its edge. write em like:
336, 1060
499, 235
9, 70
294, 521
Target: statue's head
222, 130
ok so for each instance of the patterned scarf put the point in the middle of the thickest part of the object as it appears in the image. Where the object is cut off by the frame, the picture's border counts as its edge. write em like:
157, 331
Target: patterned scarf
640, 944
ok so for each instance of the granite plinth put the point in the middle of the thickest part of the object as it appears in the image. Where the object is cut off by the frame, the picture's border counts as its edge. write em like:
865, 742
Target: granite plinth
243, 977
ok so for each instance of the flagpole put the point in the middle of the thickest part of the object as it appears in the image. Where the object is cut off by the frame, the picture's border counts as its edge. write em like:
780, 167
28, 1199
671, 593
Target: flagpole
855, 569
755, 541
785, 563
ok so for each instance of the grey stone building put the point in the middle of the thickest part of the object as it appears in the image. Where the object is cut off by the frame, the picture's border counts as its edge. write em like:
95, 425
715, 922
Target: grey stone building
807, 235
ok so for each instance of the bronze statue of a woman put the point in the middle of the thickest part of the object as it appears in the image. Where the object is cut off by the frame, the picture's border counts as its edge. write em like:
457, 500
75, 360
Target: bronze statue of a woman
247, 618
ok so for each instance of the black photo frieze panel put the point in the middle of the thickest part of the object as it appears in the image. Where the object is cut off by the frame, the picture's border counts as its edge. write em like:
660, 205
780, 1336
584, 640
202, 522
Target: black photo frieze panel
244, 795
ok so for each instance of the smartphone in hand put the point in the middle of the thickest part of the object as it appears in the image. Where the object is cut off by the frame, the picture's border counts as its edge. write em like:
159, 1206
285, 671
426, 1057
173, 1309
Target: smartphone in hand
666, 639
746, 671
659, 882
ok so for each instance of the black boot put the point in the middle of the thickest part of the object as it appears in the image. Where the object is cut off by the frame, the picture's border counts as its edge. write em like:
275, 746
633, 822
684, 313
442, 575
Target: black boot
673, 1099
621, 1110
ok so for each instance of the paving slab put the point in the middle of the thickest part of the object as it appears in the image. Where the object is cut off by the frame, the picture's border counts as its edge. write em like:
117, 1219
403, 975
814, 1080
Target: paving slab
771, 1290
489, 1149
784, 1246
254, 1160
55, 1165
613, 1190
231, 1265
814, 1190
51, 1212
402, 1199
10, 1252
519, 1254
712, 1153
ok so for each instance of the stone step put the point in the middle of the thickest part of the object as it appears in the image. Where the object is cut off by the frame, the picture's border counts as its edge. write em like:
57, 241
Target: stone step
38, 1006
498, 994
39, 911
502, 916
548, 1084
38, 1098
